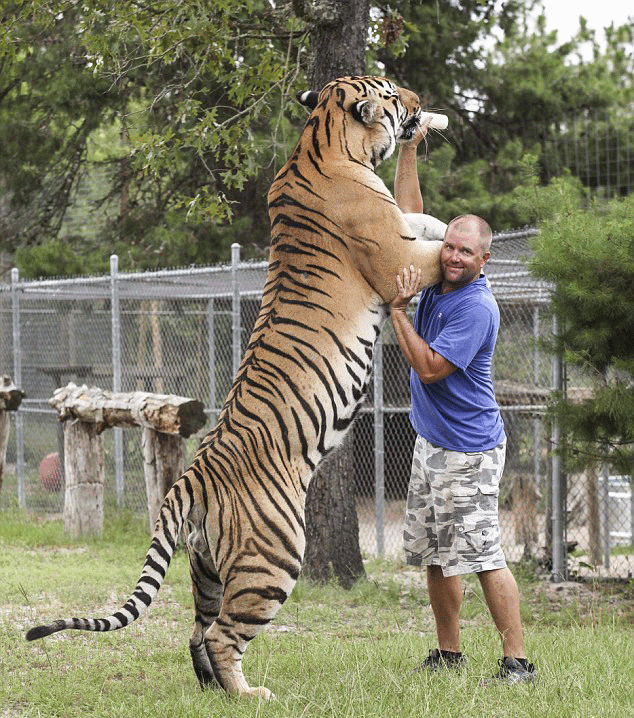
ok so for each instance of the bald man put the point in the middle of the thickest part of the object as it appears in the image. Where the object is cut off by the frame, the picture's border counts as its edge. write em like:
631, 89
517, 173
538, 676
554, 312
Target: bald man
452, 524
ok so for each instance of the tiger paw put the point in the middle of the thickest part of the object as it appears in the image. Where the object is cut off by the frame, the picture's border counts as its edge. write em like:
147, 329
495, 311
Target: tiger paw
259, 692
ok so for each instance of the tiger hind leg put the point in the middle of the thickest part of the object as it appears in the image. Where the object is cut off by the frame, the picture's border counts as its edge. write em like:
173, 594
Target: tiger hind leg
225, 648
245, 612
207, 591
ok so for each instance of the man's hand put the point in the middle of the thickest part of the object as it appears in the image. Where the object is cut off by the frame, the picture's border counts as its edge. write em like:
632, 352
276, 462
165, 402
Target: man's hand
426, 363
407, 288
419, 135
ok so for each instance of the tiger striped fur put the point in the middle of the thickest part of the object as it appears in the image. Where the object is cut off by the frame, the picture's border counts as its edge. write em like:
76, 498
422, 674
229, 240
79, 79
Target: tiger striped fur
338, 242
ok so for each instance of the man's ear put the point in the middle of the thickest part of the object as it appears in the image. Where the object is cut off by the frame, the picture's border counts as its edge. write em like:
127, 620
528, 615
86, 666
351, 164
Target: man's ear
365, 111
308, 98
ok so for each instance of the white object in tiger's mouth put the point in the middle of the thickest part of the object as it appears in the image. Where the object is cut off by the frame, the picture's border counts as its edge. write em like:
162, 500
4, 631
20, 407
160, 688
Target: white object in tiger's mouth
438, 122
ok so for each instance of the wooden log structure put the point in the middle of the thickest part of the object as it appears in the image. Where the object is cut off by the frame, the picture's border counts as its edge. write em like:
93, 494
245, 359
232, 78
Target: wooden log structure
165, 413
10, 399
166, 421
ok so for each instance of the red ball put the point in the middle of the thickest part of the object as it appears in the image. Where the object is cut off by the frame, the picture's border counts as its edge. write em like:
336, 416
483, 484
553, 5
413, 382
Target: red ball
51, 472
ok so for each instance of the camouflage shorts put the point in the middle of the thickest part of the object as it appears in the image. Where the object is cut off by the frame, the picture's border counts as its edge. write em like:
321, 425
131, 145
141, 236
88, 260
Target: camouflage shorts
452, 509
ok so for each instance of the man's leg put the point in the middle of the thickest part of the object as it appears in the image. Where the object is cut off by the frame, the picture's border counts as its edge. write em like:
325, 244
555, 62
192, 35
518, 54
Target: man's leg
503, 599
445, 596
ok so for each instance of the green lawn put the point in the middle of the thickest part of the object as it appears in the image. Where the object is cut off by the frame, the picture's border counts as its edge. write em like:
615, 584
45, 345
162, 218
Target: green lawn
329, 652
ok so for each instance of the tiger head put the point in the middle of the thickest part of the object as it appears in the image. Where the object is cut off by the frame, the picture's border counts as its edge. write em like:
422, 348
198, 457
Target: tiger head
376, 115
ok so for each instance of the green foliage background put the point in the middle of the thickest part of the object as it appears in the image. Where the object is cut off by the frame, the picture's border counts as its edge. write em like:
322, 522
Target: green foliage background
154, 130
589, 258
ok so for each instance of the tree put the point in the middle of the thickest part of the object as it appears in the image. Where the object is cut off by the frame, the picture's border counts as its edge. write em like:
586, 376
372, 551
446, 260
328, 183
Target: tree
50, 103
589, 258
166, 121
337, 41
183, 97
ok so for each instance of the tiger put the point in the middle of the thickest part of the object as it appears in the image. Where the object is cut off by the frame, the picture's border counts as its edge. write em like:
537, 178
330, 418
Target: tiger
338, 240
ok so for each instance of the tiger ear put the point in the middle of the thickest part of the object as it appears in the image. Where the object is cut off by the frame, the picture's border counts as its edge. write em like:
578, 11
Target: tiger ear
365, 111
308, 98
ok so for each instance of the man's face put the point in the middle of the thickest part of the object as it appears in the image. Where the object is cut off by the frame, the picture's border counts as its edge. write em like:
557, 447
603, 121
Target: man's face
461, 258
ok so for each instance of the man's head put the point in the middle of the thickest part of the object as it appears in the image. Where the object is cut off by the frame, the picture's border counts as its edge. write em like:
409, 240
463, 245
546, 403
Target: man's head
465, 250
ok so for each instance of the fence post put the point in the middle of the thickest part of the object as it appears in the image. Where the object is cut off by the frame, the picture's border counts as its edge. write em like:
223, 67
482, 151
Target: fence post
559, 569
536, 419
17, 378
235, 308
379, 450
116, 372
605, 516
211, 347
537, 424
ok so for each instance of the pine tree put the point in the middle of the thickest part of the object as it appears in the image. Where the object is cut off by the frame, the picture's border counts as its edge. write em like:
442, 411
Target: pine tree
589, 258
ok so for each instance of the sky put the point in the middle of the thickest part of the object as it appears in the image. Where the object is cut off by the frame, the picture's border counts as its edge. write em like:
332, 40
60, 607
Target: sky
564, 16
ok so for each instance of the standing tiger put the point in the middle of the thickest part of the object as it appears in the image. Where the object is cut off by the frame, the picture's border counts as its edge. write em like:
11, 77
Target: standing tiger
338, 242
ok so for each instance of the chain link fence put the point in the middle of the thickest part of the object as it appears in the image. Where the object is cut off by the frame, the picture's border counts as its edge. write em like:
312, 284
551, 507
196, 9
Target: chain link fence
184, 331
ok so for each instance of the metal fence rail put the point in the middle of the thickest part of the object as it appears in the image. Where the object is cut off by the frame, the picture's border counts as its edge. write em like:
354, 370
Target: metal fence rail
184, 332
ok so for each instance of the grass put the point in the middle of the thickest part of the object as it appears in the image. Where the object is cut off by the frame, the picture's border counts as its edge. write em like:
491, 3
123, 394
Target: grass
329, 652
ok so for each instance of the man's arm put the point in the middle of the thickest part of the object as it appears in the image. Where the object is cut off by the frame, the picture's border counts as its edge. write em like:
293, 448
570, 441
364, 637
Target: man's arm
428, 364
406, 185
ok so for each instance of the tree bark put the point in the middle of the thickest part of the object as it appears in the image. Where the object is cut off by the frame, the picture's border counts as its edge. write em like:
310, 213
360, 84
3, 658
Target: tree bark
163, 463
332, 525
4, 440
84, 474
10, 399
86, 412
525, 496
338, 40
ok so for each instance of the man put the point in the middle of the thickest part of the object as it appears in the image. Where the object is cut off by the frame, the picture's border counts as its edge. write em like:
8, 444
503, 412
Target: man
452, 524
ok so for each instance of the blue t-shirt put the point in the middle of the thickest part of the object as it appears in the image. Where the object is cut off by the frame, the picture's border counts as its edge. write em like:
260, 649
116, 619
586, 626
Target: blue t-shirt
459, 412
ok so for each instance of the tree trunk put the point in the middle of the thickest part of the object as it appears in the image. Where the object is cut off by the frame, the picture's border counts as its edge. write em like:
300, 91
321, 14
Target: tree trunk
332, 525
338, 38
525, 497
338, 41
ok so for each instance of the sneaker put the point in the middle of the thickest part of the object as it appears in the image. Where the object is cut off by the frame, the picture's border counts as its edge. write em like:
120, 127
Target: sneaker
439, 660
512, 671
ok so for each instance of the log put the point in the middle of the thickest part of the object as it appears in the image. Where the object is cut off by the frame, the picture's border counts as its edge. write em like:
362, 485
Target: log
163, 463
10, 396
165, 413
4, 441
10, 399
84, 474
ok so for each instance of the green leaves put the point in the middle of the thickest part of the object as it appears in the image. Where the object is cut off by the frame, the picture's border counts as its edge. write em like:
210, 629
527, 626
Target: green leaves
589, 258
189, 110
